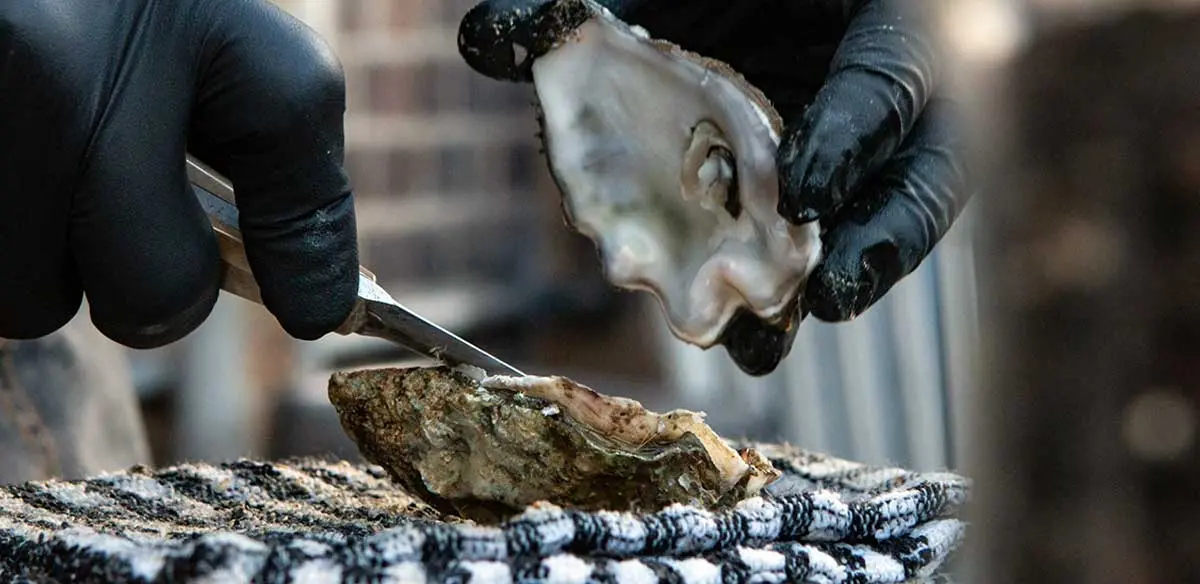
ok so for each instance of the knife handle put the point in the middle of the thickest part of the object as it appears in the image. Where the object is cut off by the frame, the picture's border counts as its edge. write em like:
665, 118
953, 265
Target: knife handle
216, 196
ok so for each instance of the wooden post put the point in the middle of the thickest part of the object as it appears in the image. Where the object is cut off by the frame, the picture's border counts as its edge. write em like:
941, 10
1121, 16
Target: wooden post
1086, 455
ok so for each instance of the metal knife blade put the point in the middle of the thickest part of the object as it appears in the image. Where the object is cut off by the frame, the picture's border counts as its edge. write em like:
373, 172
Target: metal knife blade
375, 314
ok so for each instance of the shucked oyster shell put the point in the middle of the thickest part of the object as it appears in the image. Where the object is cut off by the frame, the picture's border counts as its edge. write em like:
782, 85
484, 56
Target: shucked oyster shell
667, 161
487, 449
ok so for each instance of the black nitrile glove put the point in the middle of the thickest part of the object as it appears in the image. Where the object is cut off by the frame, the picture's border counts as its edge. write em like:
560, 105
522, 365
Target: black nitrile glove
100, 101
870, 147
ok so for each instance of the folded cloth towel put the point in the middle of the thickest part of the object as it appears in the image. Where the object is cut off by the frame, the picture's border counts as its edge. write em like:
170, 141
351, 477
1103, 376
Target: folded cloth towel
826, 520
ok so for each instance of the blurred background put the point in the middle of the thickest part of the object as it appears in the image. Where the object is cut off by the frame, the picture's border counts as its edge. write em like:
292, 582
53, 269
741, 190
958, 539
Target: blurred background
459, 218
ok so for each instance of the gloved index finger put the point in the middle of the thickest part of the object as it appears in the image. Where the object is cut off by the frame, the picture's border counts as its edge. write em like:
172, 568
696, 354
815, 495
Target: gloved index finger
880, 79
269, 117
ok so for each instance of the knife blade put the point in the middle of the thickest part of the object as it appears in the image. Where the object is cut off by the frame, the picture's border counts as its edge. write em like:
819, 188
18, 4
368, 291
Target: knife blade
375, 313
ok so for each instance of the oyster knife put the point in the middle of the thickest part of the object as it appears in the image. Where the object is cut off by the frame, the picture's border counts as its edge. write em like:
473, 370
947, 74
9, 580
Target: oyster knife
375, 313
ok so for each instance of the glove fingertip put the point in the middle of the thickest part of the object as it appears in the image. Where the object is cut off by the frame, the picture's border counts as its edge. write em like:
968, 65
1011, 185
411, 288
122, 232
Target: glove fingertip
808, 185
163, 331
850, 282
308, 269
483, 45
826, 300
501, 38
20, 322
756, 346
307, 321
308, 316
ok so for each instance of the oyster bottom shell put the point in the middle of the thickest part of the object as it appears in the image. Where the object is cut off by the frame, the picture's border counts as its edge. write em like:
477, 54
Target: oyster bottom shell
667, 161
487, 449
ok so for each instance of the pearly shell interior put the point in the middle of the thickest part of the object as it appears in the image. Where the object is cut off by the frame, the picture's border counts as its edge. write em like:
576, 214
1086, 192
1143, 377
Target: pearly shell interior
666, 160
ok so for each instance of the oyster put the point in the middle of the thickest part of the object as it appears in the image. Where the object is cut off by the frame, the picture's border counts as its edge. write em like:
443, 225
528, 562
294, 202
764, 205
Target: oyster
485, 448
667, 161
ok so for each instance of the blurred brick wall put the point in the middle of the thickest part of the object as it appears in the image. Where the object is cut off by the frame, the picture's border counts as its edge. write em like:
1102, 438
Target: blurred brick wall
434, 150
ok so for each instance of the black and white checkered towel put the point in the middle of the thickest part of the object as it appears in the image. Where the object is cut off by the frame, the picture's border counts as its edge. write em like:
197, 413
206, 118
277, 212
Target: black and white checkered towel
826, 521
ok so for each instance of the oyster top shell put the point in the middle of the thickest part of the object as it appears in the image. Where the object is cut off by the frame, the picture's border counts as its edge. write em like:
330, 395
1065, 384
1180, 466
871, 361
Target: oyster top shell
486, 449
667, 160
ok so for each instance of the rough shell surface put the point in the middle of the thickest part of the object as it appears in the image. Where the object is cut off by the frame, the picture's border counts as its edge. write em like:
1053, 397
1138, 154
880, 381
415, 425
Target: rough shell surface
666, 160
485, 450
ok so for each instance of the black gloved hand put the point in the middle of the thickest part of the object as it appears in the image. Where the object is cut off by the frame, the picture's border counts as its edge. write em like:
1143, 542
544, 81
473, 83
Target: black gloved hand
99, 102
870, 149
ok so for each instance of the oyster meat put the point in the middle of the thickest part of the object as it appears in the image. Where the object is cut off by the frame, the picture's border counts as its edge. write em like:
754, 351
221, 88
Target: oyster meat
667, 161
485, 448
